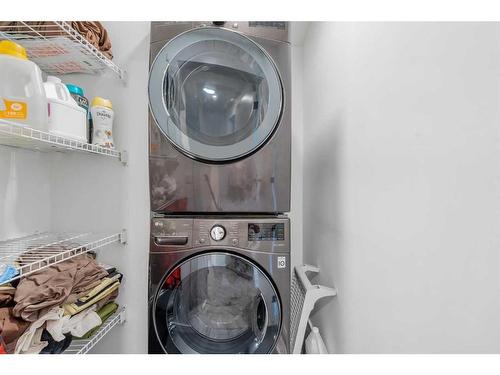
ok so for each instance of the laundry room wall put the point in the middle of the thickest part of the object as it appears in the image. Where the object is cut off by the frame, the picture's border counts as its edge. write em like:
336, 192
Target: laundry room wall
24, 192
100, 195
402, 184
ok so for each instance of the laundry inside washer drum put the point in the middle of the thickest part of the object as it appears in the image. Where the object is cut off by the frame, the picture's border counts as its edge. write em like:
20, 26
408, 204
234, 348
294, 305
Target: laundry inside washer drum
216, 310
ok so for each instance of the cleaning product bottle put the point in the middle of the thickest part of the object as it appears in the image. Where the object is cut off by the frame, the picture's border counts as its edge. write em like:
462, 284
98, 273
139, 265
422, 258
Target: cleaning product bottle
102, 122
76, 93
66, 117
22, 96
314, 343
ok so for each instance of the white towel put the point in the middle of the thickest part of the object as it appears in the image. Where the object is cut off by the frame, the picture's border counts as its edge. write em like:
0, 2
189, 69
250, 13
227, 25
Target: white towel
78, 325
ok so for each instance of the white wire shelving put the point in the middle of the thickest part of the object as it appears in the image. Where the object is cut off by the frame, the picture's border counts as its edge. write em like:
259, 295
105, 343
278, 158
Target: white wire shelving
33, 253
84, 346
16, 135
58, 48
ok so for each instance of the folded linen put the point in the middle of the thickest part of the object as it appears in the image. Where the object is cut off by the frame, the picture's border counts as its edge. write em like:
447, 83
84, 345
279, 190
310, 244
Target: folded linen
39, 292
76, 325
107, 286
104, 313
96, 34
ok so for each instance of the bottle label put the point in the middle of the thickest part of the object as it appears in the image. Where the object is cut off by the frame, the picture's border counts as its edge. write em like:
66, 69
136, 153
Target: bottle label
14, 110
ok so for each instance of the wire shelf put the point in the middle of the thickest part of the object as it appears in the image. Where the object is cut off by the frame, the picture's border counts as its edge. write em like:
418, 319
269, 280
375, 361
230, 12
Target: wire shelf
57, 48
84, 346
16, 135
33, 253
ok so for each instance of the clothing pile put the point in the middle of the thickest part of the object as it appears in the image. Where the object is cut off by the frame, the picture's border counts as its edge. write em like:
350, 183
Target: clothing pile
63, 302
92, 31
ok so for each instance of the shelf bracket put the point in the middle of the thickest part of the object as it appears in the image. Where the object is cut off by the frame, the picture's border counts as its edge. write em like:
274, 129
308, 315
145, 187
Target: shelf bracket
124, 157
123, 237
123, 317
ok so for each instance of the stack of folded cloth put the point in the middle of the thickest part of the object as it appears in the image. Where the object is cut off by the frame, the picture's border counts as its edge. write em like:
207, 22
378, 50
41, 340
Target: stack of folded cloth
59, 303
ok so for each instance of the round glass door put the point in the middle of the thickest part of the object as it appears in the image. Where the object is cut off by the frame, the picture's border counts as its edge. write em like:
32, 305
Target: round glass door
215, 94
217, 303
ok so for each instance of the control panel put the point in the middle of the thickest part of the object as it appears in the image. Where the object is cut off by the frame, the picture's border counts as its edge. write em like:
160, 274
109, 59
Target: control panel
259, 234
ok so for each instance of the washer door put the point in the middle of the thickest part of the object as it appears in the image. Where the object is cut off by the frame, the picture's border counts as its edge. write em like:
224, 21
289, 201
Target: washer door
215, 94
217, 303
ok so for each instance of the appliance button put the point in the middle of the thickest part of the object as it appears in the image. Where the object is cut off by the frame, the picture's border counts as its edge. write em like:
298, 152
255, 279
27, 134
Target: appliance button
202, 240
235, 241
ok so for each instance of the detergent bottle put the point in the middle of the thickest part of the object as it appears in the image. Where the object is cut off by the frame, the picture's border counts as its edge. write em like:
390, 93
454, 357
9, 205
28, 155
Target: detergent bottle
22, 95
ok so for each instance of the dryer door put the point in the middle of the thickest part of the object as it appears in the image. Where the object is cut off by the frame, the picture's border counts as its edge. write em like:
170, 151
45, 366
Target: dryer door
217, 303
215, 94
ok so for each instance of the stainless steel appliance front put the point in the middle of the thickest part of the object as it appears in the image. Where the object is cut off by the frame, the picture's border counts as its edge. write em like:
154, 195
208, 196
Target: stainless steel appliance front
219, 123
222, 291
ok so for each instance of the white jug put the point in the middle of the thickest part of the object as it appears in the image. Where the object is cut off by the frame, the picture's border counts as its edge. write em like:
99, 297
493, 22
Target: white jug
22, 97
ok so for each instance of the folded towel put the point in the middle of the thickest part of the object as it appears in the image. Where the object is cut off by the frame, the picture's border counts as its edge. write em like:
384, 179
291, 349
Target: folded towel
104, 313
96, 34
106, 288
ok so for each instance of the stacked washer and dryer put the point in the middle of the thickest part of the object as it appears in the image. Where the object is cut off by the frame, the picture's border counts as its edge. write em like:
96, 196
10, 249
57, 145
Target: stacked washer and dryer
219, 169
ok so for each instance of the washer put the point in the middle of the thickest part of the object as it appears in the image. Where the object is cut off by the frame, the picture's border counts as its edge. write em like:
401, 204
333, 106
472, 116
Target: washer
219, 285
219, 123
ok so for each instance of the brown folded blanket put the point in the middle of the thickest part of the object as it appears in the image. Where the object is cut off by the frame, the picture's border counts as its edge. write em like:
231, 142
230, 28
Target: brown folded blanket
40, 291
92, 31
96, 34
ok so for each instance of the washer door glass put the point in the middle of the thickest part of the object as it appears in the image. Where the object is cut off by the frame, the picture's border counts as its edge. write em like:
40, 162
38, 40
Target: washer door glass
217, 303
215, 94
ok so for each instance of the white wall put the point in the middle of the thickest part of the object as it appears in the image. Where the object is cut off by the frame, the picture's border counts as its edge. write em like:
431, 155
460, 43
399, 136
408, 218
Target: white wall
402, 184
24, 192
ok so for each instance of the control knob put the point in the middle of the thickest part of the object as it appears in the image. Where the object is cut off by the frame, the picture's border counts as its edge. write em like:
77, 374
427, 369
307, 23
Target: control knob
218, 233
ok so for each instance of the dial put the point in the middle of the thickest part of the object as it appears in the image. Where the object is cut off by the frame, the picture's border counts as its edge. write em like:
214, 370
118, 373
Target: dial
217, 232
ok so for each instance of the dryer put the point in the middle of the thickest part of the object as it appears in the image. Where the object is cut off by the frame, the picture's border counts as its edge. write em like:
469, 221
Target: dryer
219, 285
219, 119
